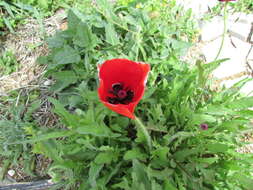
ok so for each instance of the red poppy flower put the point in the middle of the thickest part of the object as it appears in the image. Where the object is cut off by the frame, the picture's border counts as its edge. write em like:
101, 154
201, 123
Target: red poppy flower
122, 85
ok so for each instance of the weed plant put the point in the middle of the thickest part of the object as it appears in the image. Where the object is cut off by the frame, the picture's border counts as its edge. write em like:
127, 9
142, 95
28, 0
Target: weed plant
195, 130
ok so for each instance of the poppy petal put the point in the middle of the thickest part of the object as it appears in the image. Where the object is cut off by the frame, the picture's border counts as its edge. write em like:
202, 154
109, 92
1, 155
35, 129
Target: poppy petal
126, 110
132, 75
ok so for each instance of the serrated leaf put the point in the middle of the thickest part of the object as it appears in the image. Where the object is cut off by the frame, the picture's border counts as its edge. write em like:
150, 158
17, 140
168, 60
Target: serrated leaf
68, 119
183, 154
217, 110
234, 124
50, 135
66, 55
180, 46
75, 100
142, 177
134, 154
94, 172
113, 172
110, 34
209, 67
74, 18
63, 80
161, 153
202, 118
241, 103
178, 135
84, 36
104, 158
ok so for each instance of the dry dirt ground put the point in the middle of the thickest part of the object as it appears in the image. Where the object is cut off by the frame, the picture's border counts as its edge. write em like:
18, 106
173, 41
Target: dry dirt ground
28, 44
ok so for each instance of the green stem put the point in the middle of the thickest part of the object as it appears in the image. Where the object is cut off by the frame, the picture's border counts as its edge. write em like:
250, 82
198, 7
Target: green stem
144, 131
224, 30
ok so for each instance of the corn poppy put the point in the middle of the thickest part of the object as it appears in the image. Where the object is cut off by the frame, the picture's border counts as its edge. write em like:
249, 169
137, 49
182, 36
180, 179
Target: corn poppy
122, 85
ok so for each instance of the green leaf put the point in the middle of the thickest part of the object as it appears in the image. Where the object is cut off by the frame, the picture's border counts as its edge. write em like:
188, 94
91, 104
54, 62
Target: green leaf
107, 9
74, 18
50, 135
217, 147
75, 100
8, 24
161, 153
113, 172
244, 180
207, 160
56, 41
241, 103
110, 34
124, 184
7, 7
202, 118
33, 107
209, 175
68, 119
179, 135
90, 128
245, 113
135, 153
180, 46
94, 173
168, 185
63, 80
217, 110
104, 157
84, 36
209, 67
143, 134
234, 124
4, 168
142, 177
183, 154
43, 3
66, 55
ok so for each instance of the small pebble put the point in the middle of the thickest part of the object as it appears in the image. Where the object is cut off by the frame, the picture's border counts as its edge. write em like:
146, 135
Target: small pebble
11, 173
47, 83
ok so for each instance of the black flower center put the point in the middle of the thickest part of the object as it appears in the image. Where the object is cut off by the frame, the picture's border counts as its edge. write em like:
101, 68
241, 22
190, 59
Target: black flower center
120, 94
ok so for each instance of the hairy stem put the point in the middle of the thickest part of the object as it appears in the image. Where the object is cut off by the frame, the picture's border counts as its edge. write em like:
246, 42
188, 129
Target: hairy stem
144, 131
224, 30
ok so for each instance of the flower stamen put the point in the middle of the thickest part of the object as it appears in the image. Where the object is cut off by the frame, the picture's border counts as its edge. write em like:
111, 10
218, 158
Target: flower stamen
121, 95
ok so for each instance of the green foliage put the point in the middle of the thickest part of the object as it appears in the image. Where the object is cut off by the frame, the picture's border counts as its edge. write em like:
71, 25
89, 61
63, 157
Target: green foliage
13, 125
14, 12
243, 6
99, 149
8, 63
